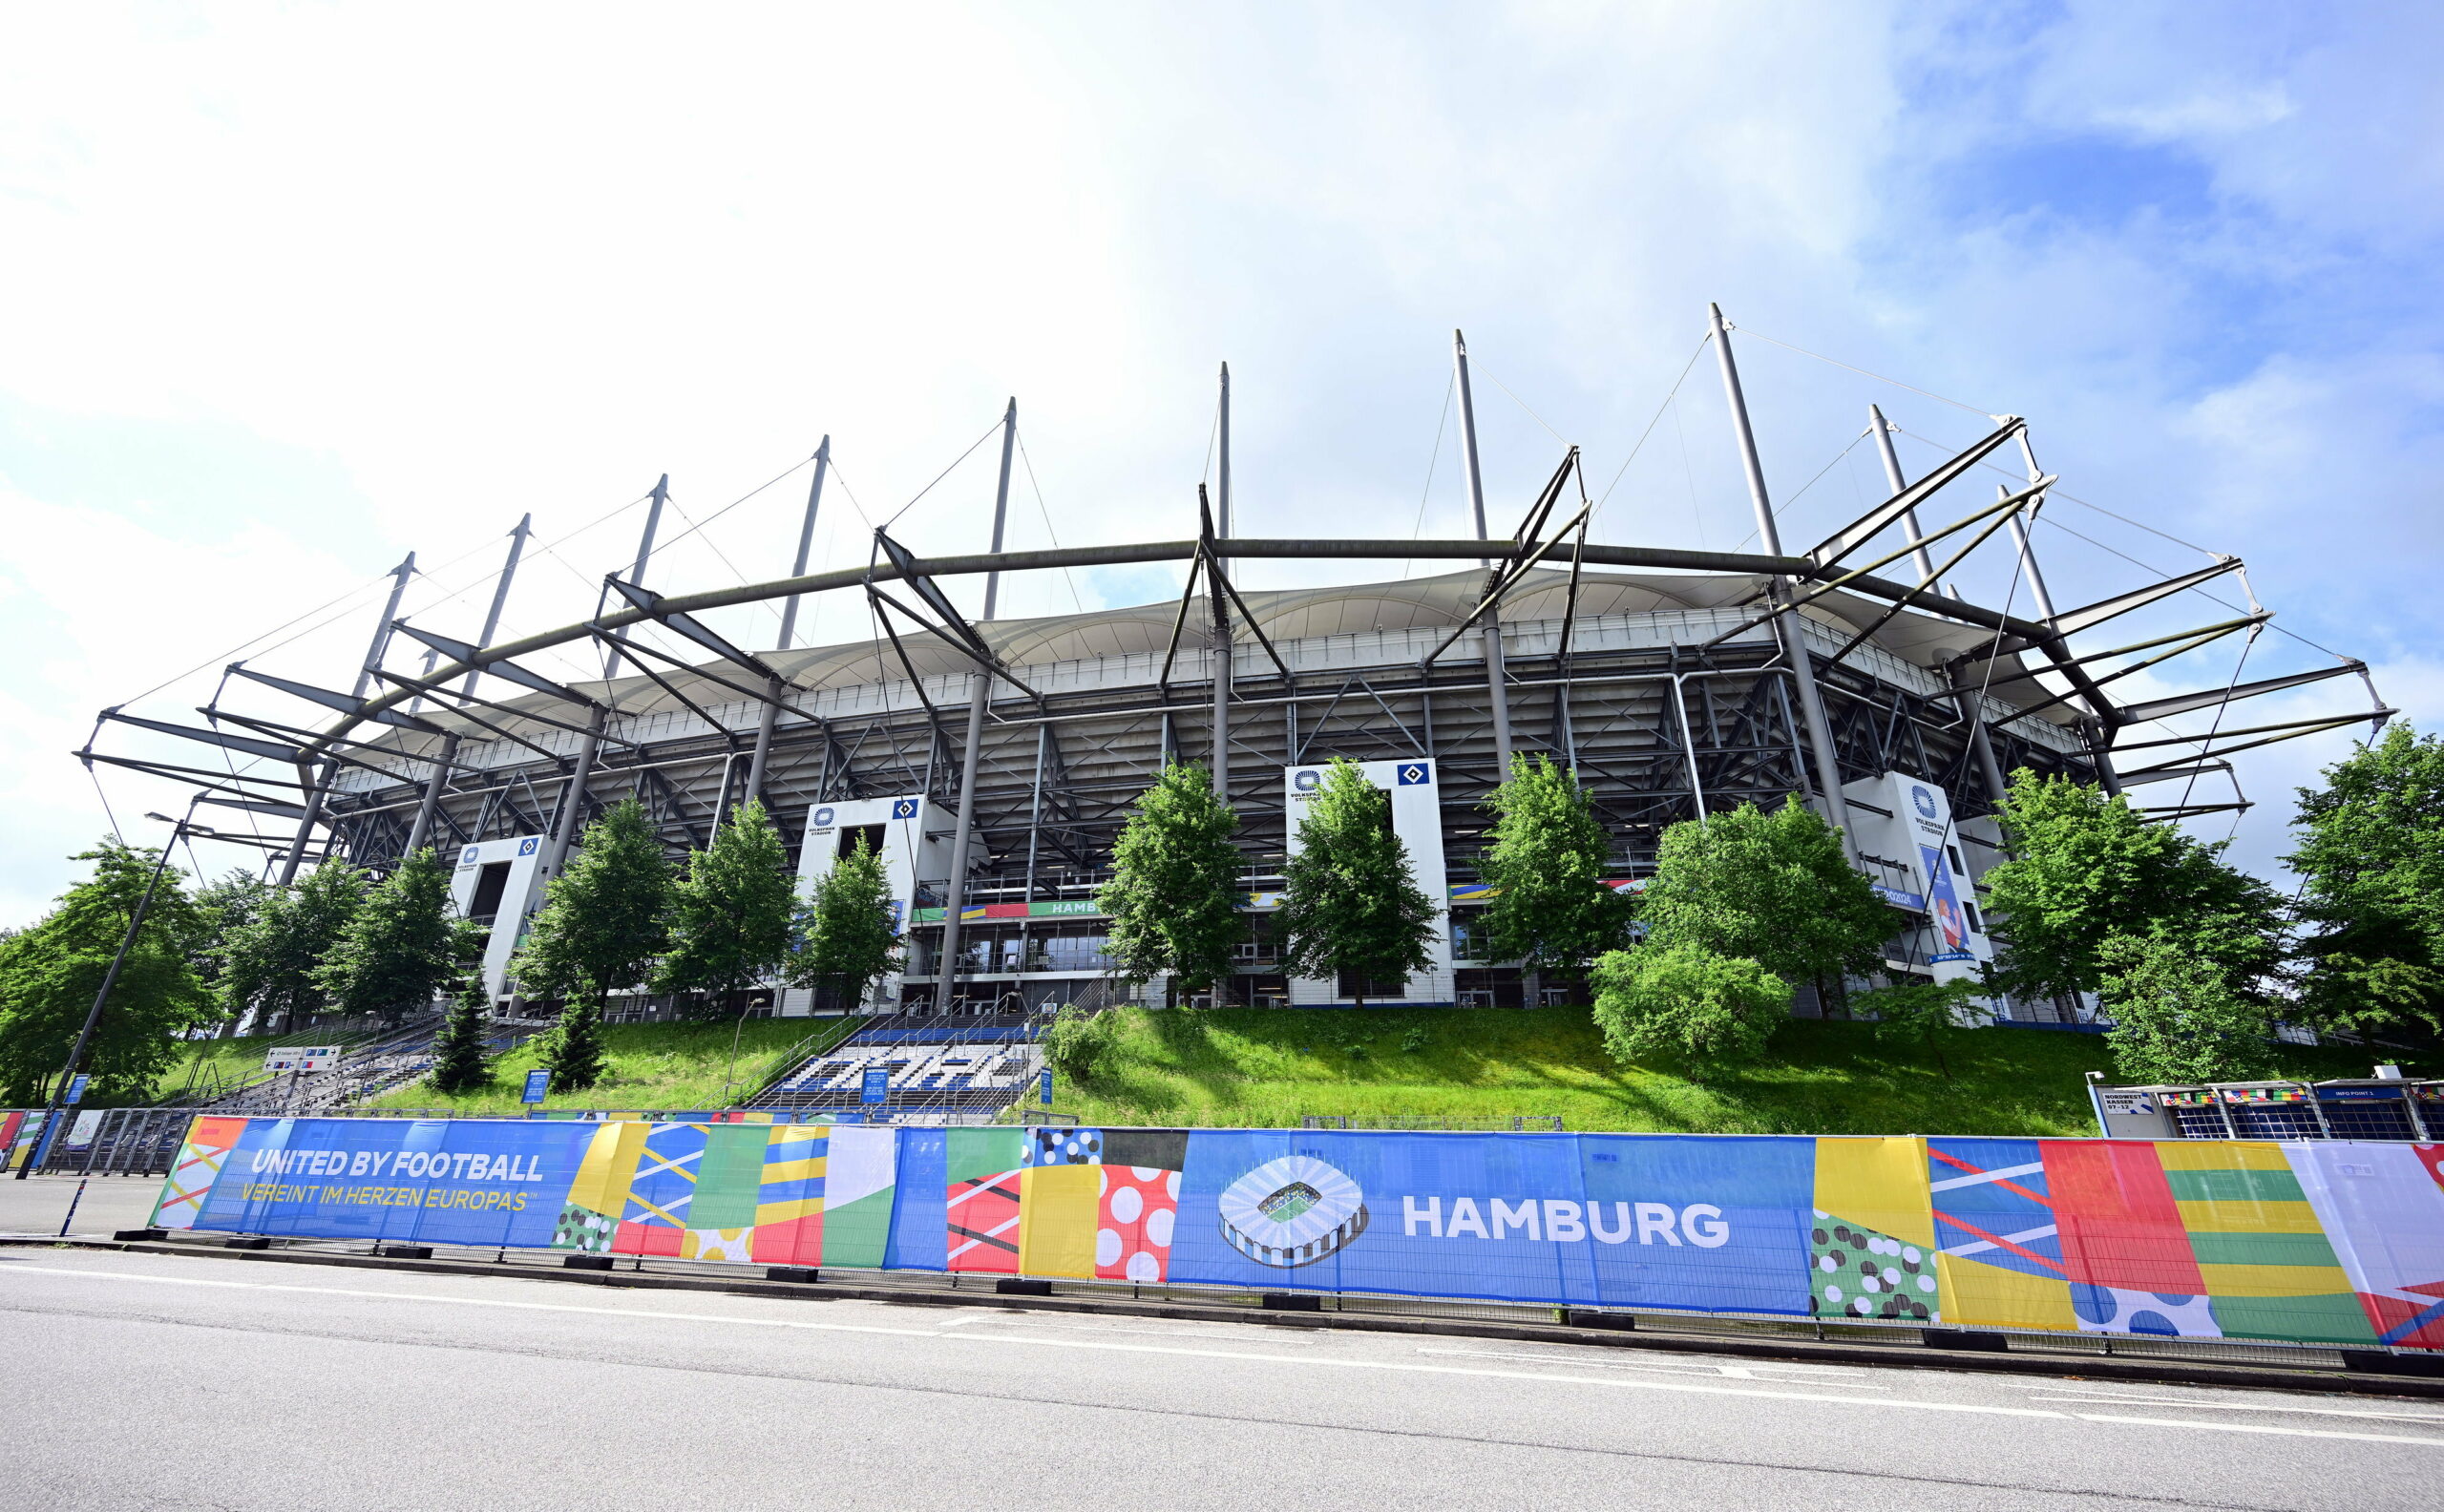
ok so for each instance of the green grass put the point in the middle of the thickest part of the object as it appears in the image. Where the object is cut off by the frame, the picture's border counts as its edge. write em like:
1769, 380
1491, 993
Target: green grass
658, 1065
1270, 1067
200, 1059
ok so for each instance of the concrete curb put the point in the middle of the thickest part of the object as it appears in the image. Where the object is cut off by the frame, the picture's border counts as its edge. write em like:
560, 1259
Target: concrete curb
2179, 1373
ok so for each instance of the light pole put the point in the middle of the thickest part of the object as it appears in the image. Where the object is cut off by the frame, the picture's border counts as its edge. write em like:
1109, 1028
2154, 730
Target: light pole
110, 979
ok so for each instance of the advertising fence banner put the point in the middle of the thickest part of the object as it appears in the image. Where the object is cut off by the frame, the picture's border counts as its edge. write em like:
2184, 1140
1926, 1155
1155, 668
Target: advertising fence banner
2328, 1242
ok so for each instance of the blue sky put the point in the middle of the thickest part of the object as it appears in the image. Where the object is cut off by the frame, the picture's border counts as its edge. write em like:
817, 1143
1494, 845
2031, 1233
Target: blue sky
302, 288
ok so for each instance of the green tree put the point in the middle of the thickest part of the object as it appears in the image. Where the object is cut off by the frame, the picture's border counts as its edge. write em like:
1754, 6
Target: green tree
854, 941
274, 963
732, 915
2372, 897
50, 973
224, 908
403, 945
1173, 896
462, 1059
1921, 1015
572, 1050
2086, 868
1546, 862
1683, 1000
2178, 1016
605, 919
1771, 886
1349, 907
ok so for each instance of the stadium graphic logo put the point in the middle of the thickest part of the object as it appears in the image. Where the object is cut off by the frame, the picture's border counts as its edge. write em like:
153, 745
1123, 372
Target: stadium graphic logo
1415, 774
1306, 781
526, 846
904, 809
467, 858
823, 818
1924, 800
1291, 1211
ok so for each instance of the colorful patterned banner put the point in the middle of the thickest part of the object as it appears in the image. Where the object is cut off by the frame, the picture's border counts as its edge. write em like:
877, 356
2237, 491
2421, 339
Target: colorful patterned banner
2314, 1241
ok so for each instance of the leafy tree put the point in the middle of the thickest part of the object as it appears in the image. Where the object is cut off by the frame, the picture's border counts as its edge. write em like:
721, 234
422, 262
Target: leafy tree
855, 941
274, 963
2085, 867
1174, 893
50, 973
1921, 1014
2371, 898
462, 1052
1546, 862
1773, 887
1684, 999
1348, 905
402, 947
2178, 1016
732, 915
604, 919
224, 908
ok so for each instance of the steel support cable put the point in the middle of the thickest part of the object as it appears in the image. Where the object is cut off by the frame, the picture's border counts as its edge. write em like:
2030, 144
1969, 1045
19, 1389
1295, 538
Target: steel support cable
246, 645
2134, 562
698, 525
1521, 403
1654, 420
1037, 488
2239, 664
1433, 461
943, 474
1860, 372
1784, 506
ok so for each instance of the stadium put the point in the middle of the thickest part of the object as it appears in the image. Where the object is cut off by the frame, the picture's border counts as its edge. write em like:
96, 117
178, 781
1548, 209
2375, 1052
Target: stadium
994, 760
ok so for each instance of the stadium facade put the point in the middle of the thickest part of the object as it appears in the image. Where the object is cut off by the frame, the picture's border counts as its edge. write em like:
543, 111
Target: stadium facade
994, 760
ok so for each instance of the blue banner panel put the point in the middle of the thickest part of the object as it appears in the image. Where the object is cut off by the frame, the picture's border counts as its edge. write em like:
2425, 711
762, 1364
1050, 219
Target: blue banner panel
1713, 1224
432, 1181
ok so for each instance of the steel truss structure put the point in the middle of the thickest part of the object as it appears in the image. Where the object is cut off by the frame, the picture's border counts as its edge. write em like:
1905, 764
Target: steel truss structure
1675, 682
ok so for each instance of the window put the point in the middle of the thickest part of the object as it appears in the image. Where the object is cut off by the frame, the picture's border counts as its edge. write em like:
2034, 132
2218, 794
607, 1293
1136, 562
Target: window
490, 884
1974, 922
1957, 870
850, 835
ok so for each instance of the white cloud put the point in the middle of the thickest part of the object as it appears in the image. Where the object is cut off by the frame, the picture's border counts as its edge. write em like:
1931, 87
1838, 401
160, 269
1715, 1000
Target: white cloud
481, 262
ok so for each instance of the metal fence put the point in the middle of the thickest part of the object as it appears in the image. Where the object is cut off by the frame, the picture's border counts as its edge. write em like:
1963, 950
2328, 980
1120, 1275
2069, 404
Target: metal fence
2382, 1109
100, 1141
1516, 1123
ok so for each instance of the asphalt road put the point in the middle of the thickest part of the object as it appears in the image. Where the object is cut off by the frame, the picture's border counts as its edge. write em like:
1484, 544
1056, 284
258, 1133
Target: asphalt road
165, 1382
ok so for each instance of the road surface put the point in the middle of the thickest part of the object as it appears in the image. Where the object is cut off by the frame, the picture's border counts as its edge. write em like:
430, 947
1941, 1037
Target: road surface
39, 1204
163, 1381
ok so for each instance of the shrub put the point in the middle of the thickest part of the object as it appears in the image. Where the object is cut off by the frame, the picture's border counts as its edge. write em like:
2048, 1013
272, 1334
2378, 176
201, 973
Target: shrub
1079, 1042
1686, 1000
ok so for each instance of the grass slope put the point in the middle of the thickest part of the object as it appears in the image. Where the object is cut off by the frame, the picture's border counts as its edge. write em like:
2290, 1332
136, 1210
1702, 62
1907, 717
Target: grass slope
1269, 1067
200, 1060
657, 1065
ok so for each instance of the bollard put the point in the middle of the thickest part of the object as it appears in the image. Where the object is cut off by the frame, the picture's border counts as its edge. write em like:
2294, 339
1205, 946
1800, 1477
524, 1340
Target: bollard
73, 1199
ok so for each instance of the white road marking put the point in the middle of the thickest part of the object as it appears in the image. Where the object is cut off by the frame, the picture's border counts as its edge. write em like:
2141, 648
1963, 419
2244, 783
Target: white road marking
1796, 1373
2234, 1406
2261, 1428
1690, 1388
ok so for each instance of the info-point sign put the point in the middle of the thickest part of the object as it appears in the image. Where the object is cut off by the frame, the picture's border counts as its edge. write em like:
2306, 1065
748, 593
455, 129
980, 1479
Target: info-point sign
876, 1088
77, 1087
537, 1083
1044, 1087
